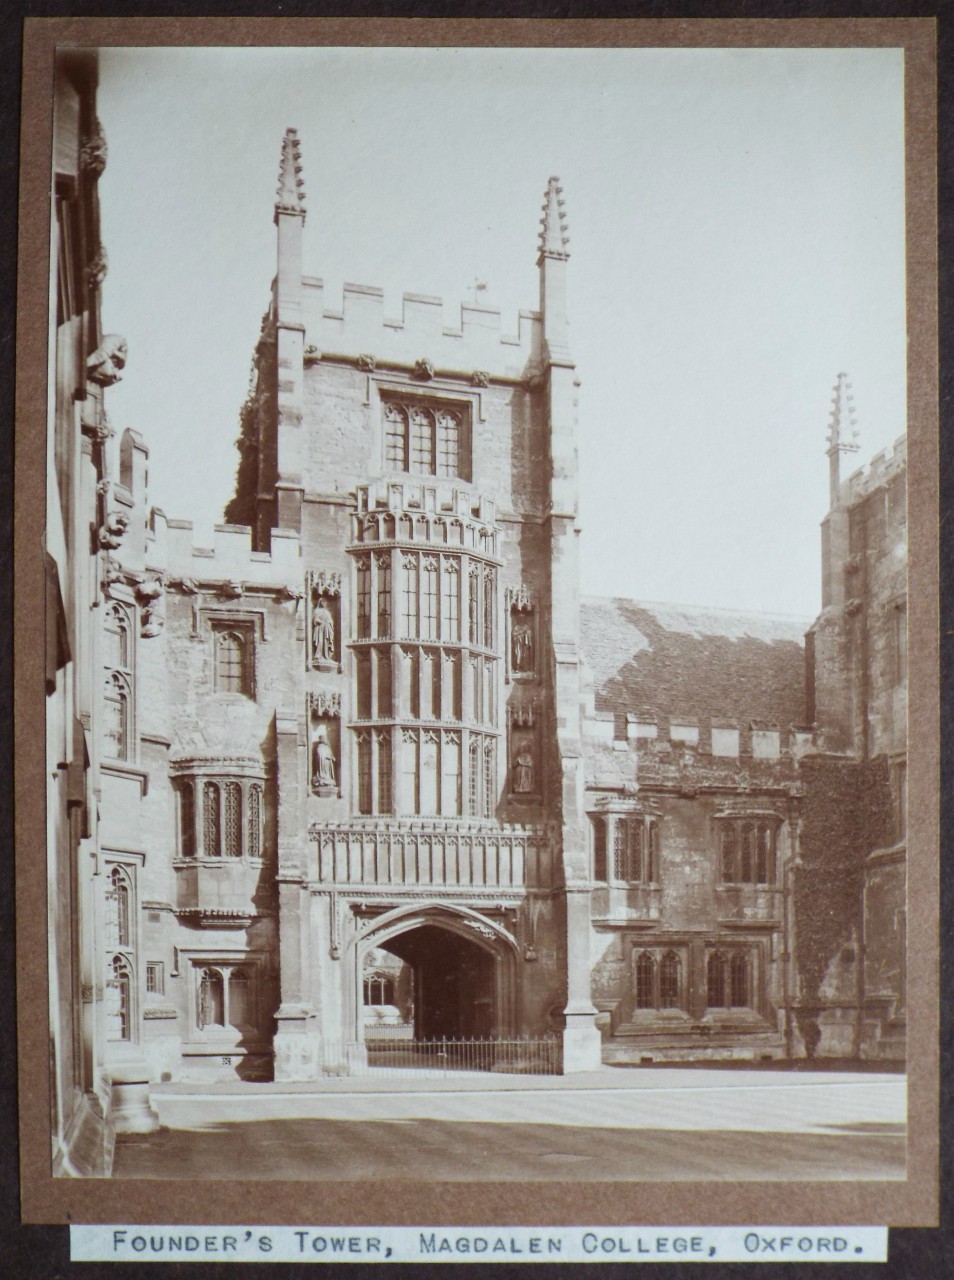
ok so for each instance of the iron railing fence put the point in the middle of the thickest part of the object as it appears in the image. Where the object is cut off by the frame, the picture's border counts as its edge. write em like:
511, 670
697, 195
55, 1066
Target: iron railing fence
390, 1057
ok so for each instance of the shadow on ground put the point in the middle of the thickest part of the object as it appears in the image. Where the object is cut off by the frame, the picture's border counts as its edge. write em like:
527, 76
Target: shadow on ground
435, 1150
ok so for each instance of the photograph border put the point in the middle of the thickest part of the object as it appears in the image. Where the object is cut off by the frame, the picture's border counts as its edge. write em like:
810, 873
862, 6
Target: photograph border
913, 1202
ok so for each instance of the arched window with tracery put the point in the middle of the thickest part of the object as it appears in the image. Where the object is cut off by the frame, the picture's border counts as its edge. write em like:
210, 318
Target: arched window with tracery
233, 662
211, 820
117, 921
739, 980
119, 999
395, 437
255, 821
645, 981
717, 980
378, 990
747, 850
116, 709
116, 636
669, 981
232, 826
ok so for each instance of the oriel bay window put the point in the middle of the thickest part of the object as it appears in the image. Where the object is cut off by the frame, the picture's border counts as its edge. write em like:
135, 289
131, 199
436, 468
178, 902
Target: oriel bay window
425, 670
625, 848
220, 818
747, 850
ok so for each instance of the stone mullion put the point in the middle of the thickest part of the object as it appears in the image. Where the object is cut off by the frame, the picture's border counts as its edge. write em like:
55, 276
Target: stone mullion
611, 820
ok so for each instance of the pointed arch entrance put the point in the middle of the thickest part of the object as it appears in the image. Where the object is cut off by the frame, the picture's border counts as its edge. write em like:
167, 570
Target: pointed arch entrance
463, 967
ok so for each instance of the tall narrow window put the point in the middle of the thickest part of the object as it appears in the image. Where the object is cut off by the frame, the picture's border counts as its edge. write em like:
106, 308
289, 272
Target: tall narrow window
409, 597
211, 820
635, 830
645, 981
450, 614
116, 716
473, 605
450, 775
729, 853
422, 441
429, 599
385, 802
119, 1000
211, 999
669, 981
363, 588
451, 686
233, 662
364, 773
255, 821
599, 848
363, 668
652, 851
117, 909
428, 775
409, 771
116, 637
477, 689
763, 854
489, 608
746, 852
490, 778
448, 443
395, 437
186, 820
620, 849
717, 984
232, 827
739, 980
385, 687
383, 563
473, 778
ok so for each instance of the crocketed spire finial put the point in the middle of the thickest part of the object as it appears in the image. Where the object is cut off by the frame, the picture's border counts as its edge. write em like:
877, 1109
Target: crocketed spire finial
553, 237
842, 427
291, 185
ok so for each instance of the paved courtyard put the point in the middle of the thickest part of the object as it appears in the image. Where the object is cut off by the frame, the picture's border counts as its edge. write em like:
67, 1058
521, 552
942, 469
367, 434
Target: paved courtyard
636, 1125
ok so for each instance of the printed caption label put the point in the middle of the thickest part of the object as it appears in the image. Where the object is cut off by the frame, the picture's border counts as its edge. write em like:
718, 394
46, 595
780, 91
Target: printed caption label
489, 1244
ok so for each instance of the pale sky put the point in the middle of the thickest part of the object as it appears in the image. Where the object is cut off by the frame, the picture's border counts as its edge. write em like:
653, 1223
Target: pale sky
737, 234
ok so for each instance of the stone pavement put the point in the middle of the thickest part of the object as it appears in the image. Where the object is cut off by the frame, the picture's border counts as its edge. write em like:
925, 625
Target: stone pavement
665, 1123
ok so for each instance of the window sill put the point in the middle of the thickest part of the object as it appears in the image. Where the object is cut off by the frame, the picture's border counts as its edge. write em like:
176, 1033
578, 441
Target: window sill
123, 769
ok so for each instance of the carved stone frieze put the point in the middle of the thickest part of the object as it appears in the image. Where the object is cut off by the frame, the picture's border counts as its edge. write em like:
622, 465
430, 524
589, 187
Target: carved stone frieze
231, 589
324, 704
520, 598
480, 378
96, 268
424, 369
325, 584
366, 363
151, 596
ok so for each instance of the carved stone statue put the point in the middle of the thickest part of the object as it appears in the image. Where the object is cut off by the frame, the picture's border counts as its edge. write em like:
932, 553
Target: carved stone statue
521, 645
104, 365
113, 530
322, 633
523, 771
323, 762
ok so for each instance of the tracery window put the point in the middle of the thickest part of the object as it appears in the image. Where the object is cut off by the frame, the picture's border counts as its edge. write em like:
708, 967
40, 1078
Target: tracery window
633, 842
645, 981
228, 820
669, 981
747, 850
234, 658
378, 990
118, 681
119, 928
656, 981
119, 999
729, 980
426, 438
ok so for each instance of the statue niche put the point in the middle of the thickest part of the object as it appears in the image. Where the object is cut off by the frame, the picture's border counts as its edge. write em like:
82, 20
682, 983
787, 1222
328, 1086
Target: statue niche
524, 767
324, 596
522, 655
324, 714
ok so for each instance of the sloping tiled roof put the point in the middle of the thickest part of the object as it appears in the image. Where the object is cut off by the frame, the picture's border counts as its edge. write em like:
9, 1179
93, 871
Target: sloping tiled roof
694, 664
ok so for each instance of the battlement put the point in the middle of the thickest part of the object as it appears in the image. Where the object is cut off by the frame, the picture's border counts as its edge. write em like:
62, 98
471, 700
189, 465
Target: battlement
882, 468
361, 327
230, 558
645, 730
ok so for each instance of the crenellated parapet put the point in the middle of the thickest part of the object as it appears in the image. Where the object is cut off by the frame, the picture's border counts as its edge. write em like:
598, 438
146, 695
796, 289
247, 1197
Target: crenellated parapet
418, 342
230, 564
880, 471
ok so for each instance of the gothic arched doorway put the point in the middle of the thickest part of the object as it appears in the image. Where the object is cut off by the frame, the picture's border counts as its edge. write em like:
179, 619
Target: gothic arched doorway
462, 971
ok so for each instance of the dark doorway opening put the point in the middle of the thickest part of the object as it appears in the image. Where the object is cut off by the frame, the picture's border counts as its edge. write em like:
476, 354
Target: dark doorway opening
454, 983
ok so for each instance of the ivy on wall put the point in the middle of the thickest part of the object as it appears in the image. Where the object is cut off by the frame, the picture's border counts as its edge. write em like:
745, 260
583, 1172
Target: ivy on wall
255, 429
846, 812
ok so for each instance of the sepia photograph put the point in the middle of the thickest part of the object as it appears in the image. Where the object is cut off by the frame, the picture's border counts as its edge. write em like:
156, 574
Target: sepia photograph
477, 616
